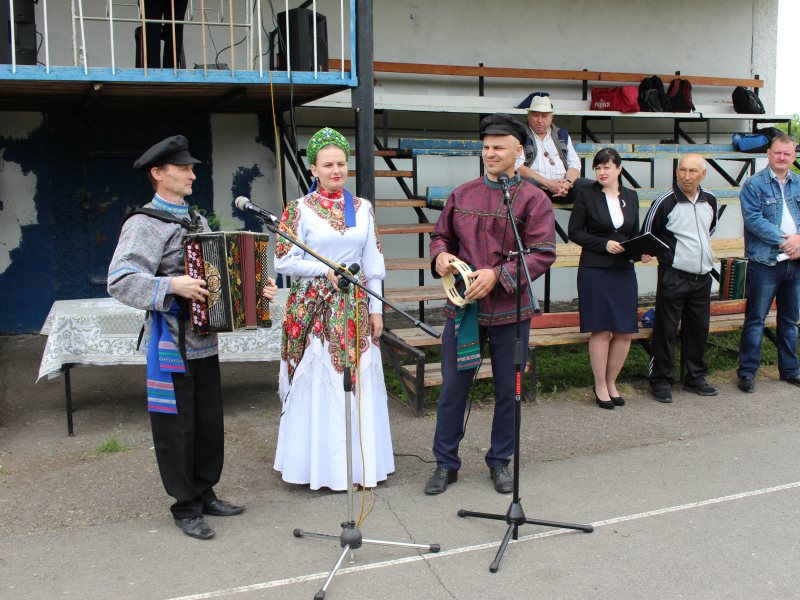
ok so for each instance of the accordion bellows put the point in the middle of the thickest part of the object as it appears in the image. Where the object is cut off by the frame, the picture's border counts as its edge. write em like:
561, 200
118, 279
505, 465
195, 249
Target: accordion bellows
732, 278
234, 266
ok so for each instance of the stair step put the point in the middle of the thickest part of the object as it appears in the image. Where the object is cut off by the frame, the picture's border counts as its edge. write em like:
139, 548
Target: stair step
407, 264
415, 293
380, 173
394, 228
400, 203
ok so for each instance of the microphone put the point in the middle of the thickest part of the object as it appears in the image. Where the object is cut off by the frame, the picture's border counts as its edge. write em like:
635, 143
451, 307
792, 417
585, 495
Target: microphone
245, 205
503, 181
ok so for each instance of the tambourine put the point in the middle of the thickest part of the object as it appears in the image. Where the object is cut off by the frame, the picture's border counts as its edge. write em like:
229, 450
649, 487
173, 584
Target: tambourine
449, 282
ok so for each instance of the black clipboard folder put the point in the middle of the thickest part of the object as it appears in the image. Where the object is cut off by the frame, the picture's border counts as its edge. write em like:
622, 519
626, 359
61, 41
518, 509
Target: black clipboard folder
643, 244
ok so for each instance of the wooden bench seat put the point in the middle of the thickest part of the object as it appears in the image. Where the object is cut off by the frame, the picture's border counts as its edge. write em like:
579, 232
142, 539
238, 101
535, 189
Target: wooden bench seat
437, 196
549, 329
568, 255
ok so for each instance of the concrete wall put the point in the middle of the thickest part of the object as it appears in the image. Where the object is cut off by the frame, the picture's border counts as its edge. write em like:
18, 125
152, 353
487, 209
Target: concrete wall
65, 179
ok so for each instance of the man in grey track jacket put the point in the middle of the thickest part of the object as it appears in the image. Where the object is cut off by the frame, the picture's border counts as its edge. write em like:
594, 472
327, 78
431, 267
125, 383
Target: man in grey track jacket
684, 218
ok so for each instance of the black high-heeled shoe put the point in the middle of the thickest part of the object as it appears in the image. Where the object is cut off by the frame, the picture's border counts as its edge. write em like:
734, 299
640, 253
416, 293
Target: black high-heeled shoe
607, 404
618, 400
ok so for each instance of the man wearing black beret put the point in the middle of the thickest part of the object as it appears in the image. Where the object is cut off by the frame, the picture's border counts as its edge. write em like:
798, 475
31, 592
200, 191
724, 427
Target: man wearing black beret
473, 228
184, 395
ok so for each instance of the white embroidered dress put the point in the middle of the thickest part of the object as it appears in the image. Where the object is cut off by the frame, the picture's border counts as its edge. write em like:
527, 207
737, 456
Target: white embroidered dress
311, 439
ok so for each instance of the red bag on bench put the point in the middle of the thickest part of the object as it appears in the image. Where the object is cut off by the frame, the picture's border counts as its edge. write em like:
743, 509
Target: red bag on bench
624, 98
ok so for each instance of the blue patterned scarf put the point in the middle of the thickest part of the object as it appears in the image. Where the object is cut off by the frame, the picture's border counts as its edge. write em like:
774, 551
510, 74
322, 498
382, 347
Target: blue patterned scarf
163, 359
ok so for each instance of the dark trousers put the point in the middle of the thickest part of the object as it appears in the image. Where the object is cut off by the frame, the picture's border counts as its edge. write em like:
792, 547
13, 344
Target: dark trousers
455, 393
685, 299
162, 9
189, 446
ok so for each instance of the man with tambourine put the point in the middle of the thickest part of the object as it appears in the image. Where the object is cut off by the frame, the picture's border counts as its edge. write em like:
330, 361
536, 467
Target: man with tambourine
473, 230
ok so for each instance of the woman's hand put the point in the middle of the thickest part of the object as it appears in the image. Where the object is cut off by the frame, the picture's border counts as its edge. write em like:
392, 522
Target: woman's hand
333, 278
613, 247
270, 290
376, 326
646, 258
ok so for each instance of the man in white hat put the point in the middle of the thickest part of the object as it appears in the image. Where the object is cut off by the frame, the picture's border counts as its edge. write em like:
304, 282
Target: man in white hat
550, 160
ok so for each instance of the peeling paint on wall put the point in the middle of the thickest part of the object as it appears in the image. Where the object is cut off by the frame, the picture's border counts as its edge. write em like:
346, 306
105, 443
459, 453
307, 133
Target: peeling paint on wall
18, 209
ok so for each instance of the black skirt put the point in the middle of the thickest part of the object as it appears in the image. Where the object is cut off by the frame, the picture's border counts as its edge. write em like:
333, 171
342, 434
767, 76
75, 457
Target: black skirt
608, 299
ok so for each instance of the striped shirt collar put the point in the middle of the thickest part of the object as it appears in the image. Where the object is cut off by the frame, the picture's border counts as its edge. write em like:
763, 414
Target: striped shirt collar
181, 210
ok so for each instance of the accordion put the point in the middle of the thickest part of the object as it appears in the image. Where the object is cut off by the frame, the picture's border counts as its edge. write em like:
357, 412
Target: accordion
234, 267
732, 278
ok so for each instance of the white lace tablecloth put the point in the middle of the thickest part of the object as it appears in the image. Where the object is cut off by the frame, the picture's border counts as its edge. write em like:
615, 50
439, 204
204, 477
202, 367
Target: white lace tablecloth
103, 331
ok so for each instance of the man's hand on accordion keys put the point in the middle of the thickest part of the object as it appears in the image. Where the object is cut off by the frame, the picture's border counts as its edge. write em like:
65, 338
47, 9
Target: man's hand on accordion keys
187, 286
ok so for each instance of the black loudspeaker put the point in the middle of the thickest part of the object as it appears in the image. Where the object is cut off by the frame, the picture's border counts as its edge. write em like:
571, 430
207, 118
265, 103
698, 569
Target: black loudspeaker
24, 32
301, 40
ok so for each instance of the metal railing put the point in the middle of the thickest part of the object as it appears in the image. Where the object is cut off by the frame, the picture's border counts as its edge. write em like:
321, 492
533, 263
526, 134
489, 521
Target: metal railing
259, 42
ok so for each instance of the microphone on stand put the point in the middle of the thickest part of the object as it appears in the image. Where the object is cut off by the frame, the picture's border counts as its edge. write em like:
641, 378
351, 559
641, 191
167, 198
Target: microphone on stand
504, 182
245, 205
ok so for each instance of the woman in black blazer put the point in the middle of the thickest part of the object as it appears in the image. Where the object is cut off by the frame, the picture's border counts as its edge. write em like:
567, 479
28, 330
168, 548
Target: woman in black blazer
603, 215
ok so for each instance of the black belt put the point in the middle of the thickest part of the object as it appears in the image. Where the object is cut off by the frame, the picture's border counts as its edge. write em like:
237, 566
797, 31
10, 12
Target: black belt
687, 275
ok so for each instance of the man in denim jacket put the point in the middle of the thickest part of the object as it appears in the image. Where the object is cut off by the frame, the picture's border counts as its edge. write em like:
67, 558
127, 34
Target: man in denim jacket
770, 202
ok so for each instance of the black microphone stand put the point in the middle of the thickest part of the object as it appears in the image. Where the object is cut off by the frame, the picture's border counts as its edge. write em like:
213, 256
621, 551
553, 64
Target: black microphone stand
350, 537
515, 515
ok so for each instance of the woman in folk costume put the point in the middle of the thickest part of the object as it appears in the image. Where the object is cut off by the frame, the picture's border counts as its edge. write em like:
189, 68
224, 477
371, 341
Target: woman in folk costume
311, 440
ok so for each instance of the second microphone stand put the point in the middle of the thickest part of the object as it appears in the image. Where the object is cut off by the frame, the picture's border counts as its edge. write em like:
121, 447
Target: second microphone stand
515, 515
350, 538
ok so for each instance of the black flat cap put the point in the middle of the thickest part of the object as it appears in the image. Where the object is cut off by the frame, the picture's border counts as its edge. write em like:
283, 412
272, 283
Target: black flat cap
503, 124
171, 151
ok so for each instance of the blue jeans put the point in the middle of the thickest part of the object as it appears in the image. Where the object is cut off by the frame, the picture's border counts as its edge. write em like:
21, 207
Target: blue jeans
454, 395
765, 284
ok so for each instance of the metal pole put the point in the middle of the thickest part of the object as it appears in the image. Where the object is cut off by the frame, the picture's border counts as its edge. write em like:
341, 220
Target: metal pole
47, 40
314, 35
233, 55
13, 38
174, 48
341, 34
83, 40
288, 45
144, 39
111, 34
260, 50
203, 25
363, 100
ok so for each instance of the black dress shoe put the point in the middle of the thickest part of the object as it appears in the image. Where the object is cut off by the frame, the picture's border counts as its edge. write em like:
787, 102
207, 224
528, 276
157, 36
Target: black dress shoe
618, 400
663, 393
220, 508
607, 404
793, 380
701, 388
439, 480
747, 384
195, 527
503, 482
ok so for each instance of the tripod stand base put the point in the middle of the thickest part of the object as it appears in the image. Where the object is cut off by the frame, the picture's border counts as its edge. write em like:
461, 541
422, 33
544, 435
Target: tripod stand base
351, 539
515, 517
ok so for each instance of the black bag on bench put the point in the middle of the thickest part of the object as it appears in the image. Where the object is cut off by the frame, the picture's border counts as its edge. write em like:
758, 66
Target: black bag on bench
652, 97
746, 102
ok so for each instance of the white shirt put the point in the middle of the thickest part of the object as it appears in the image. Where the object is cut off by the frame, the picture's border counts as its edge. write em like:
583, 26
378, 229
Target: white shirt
615, 209
788, 225
542, 163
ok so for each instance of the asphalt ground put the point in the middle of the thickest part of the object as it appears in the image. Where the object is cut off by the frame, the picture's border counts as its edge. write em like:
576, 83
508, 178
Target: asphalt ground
697, 499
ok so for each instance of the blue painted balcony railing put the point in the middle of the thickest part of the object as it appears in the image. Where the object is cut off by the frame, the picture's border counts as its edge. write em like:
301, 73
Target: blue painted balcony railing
85, 71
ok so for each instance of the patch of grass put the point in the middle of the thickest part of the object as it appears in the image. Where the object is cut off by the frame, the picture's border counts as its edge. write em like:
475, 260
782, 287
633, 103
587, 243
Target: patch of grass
111, 446
4, 471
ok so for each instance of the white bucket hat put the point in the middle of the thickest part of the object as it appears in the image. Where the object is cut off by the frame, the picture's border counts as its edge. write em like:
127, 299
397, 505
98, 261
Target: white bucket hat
540, 104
